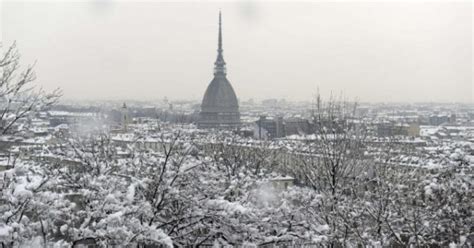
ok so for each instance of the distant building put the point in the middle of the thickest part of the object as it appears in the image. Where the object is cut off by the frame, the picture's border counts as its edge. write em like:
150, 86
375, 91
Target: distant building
297, 126
387, 129
384, 129
281, 183
270, 102
219, 108
56, 118
270, 128
436, 120
125, 117
414, 130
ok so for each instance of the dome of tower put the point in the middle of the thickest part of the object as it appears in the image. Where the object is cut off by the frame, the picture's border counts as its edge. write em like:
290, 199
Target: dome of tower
220, 96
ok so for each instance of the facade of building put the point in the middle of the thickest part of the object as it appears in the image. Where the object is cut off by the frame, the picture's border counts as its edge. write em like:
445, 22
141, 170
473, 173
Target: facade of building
270, 128
400, 129
439, 119
219, 108
298, 126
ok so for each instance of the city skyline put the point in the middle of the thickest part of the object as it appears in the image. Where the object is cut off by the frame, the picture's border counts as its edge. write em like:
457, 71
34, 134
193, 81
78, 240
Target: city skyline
375, 52
236, 123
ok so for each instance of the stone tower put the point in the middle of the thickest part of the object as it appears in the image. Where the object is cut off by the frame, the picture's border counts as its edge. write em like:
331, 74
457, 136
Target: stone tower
125, 117
219, 108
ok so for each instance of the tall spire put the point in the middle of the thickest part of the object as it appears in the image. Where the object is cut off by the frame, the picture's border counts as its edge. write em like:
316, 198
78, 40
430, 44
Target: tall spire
219, 65
219, 48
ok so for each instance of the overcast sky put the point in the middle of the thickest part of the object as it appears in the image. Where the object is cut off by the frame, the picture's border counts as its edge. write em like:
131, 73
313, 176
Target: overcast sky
388, 51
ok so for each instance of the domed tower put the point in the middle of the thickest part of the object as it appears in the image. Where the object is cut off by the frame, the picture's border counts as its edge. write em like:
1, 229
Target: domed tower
219, 108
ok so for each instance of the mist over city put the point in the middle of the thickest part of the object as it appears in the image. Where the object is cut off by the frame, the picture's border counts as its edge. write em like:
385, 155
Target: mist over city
236, 124
392, 51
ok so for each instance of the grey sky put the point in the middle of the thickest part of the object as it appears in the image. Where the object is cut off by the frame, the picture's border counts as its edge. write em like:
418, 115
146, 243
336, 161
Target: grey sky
390, 51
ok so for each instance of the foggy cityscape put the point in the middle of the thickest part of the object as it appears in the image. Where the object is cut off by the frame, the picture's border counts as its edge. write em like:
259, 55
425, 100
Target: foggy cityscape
236, 124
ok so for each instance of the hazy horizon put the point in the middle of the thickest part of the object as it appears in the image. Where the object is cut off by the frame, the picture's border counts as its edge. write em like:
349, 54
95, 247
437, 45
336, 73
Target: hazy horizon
376, 52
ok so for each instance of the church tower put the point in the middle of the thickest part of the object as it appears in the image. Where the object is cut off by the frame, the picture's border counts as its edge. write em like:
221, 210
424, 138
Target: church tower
125, 117
219, 108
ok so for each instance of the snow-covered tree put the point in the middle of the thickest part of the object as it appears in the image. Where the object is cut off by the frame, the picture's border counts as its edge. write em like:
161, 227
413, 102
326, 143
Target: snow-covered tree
22, 181
19, 98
